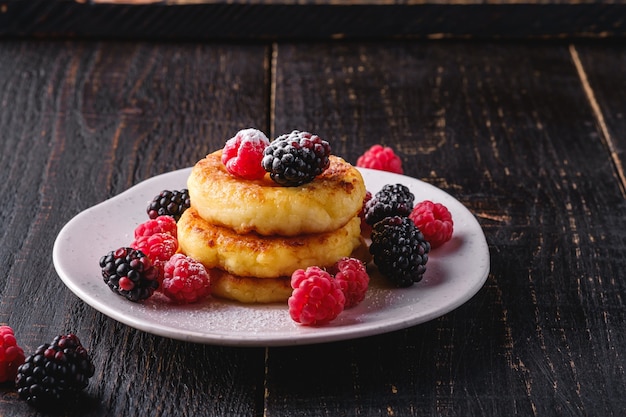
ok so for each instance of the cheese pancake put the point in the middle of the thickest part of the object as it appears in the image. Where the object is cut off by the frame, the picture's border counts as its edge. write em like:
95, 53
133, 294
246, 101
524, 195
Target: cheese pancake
250, 290
262, 256
262, 206
263, 290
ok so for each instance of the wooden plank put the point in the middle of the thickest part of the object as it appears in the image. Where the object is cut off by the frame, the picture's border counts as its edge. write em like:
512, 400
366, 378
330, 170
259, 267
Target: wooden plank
83, 121
509, 131
602, 71
312, 20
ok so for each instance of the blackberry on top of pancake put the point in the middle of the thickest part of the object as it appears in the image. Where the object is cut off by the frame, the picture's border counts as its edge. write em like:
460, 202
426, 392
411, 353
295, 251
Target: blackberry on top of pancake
262, 206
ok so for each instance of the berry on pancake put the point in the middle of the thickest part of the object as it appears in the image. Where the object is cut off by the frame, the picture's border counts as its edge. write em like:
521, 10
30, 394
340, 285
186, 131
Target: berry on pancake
262, 206
243, 153
296, 158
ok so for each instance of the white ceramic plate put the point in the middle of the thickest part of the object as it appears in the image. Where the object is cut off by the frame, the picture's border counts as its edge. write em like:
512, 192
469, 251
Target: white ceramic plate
455, 272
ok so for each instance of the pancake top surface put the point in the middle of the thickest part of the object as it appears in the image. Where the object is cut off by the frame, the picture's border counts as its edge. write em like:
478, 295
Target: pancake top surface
262, 206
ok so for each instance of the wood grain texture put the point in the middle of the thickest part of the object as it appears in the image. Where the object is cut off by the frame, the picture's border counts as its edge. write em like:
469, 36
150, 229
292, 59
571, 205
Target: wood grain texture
508, 130
528, 135
600, 69
82, 122
288, 20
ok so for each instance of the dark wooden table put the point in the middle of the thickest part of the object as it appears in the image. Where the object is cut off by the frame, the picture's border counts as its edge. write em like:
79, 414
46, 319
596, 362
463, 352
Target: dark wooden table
529, 136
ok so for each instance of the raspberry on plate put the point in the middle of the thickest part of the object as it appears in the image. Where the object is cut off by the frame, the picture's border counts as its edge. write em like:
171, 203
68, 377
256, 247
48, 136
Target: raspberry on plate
186, 280
353, 279
243, 153
11, 355
160, 224
382, 158
434, 221
366, 229
159, 247
316, 298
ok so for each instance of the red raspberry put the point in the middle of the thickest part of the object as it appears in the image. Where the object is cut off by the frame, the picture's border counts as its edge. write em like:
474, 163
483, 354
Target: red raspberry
316, 298
11, 355
159, 247
352, 277
382, 158
186, 280
434, 221
161, 224
366, 229
243, 153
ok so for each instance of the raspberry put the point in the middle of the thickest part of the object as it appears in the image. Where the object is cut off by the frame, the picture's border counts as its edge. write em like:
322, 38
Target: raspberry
382, 158
55, 373
391, 200
434, 221
129, 273
11, 355
243, 153
316, 298
159, 247
366, 199
366, 229
399, 250
160, 224
186, 280
352, 277
296, 158
169, 203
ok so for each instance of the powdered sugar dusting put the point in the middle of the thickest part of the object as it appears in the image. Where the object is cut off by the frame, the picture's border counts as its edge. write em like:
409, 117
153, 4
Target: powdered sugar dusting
252, 135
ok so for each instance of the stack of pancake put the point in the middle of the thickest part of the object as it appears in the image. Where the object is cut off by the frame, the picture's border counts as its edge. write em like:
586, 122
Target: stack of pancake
252, 234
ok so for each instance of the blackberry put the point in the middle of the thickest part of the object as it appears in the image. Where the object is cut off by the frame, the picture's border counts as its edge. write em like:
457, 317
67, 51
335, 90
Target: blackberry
55, 373
296, 158
399, 250
130, 273
391, 200
169, 203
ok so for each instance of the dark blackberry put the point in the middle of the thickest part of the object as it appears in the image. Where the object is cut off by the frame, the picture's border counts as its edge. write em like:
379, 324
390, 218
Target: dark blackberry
296, 158
399, 250
391, 200
55, 373
169, 203
130, 273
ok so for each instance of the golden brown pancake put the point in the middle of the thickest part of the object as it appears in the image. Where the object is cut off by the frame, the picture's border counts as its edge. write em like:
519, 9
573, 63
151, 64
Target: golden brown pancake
262, 290
259, 256
250, 290
262, 206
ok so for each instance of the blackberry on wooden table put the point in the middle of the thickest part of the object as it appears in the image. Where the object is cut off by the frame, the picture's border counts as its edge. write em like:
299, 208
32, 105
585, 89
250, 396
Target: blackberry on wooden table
55, 373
